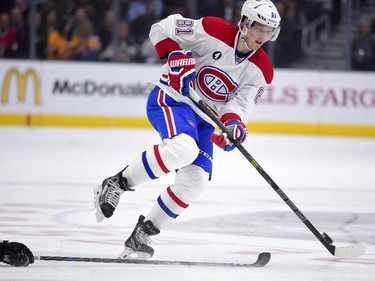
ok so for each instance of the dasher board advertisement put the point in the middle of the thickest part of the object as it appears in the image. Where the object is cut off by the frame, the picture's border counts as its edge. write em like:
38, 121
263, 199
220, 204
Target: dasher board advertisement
75, 88
73, 93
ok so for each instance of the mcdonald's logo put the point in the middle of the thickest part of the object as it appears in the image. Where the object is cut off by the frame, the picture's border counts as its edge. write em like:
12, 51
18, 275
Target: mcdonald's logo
21, 80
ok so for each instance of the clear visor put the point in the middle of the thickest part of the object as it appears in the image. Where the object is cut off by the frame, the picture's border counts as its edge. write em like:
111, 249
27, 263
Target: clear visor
261, 30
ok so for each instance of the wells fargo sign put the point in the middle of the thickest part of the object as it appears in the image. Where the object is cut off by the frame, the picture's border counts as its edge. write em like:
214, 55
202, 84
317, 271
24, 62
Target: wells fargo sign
21, 82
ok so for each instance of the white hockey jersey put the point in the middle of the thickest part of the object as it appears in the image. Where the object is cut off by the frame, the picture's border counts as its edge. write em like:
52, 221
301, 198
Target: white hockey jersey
230, 87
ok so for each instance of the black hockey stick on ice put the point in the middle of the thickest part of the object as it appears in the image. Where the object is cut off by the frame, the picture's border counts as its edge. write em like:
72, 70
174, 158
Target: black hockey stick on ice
351, 251
261, 261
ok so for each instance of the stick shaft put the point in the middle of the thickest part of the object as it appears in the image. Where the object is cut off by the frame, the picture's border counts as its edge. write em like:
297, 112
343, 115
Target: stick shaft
262, 260
262, 172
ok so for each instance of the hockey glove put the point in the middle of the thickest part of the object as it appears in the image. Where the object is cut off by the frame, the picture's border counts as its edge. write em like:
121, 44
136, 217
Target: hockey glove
236, 128
15, 254
181, 71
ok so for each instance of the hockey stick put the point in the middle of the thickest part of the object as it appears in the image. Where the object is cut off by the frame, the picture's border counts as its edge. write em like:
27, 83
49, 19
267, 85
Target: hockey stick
262, 260
351, 251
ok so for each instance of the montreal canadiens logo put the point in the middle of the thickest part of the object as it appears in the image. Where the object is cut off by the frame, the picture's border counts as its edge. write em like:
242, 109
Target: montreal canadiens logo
215, 84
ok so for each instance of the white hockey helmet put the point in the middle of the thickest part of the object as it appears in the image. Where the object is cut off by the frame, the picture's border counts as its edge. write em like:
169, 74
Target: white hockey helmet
264, 12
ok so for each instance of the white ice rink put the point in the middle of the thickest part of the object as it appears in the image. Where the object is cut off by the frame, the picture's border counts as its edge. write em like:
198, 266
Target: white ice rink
46, 202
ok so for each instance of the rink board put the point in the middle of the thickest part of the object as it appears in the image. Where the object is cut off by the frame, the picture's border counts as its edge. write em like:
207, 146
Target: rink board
43, 93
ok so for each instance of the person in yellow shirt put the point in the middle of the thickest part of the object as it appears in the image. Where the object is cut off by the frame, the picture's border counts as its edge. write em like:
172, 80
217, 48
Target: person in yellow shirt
84, 45
58, 41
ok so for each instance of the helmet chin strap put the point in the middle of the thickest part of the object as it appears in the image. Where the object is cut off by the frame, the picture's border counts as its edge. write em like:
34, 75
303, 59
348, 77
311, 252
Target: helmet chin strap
243, 38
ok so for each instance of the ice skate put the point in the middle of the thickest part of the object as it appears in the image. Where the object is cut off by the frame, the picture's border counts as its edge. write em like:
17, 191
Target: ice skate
137, 245
107, 195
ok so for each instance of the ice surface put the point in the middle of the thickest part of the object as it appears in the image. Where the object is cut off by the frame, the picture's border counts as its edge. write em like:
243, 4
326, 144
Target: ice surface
46, 202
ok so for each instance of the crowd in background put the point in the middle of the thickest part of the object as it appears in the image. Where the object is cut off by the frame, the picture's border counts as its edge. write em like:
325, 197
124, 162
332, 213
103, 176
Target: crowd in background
363, 46
84, 29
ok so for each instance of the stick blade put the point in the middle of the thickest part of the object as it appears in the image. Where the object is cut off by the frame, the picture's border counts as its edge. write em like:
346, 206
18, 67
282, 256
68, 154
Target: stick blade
351, 251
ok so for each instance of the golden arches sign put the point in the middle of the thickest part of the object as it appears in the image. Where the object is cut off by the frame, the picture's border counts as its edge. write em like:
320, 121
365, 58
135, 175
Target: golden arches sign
21, 79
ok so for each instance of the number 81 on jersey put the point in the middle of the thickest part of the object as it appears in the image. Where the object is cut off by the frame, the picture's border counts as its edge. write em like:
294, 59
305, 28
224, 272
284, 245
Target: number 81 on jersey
184, 26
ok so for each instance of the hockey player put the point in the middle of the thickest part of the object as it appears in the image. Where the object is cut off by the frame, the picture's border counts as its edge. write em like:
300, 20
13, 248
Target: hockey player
229, 70
15, 253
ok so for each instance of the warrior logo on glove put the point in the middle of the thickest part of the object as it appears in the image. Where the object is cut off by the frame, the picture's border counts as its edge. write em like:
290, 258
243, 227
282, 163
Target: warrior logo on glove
182, 72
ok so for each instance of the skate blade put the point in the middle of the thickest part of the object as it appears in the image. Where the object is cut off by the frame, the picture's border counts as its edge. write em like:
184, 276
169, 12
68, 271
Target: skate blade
98, 212
130, 254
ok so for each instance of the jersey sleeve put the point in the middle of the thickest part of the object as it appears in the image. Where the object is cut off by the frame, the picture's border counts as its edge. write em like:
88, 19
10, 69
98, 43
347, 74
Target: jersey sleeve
175, 33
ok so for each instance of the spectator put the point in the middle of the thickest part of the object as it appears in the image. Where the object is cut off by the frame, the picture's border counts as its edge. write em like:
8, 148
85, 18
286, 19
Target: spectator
126, 50
8, 37
40, 36
159, 7
23, 5
143, 23
80, 15
47, 25
91, 13
287, 47
136, 9
106, 31
58, 41
84, 44
22, 31
363, 48
103, 6
148, 54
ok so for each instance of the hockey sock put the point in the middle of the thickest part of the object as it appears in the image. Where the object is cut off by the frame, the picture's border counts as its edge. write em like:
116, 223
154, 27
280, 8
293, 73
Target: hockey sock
153, 163
189, 184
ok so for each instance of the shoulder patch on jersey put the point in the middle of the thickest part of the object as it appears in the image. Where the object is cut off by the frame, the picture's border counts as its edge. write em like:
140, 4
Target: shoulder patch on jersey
263, 62
217, 55
220, 29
